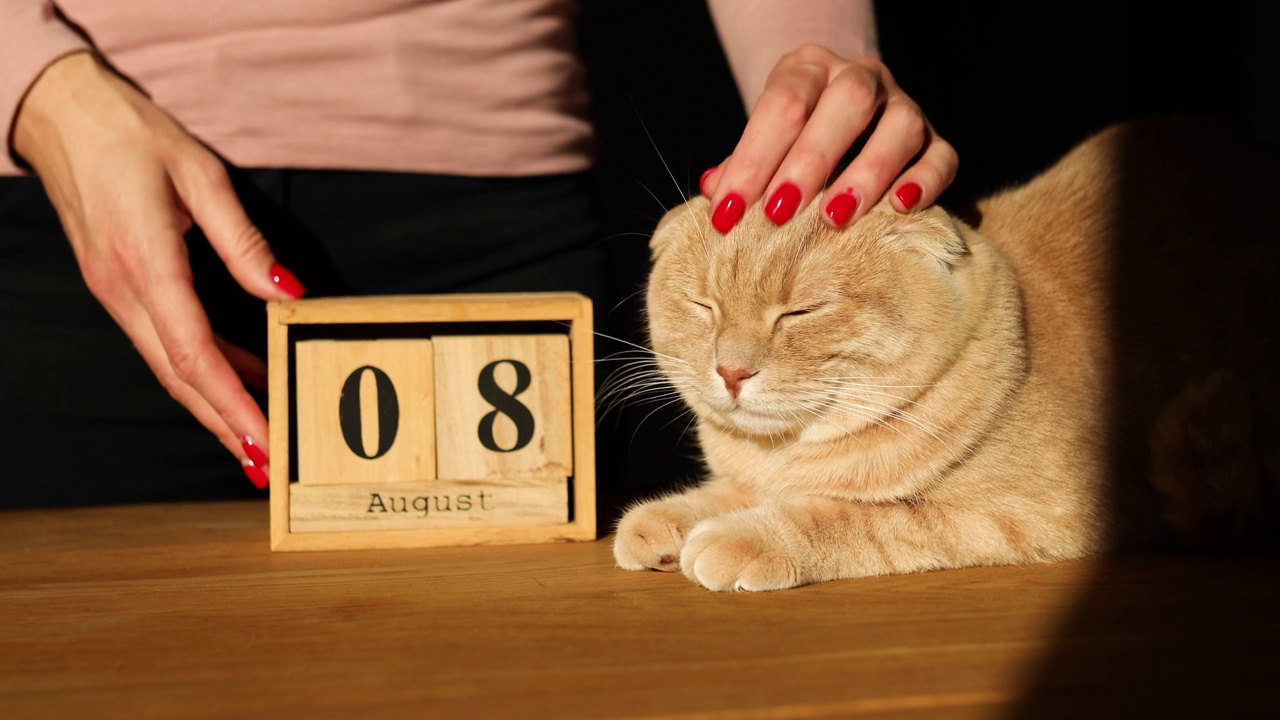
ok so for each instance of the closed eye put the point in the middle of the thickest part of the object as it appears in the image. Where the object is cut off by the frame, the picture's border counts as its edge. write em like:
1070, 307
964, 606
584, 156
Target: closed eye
702, 307
801, 311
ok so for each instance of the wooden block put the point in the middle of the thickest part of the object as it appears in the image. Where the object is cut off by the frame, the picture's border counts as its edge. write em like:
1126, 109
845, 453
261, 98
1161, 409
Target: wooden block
556, 507
430, 505
365, 412
503, 407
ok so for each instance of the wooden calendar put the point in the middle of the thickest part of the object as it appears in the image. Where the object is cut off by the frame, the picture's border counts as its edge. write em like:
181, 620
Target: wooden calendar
423, 420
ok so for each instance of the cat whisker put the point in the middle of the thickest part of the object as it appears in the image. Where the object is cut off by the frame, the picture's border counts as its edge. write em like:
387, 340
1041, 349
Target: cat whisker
843, 403
683, 196
858, 411
640, 347
636, 380
905, 416
692, 419
615, 236
857, 383
637, 292
632, 386
895, 409
877, 393
651, 413
652, 195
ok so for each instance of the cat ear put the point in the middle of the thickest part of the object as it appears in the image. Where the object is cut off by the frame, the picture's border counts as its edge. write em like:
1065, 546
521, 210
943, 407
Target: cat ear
932, 232
676, 223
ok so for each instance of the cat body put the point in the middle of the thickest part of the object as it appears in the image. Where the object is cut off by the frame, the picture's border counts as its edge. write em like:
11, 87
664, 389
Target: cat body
1088, 366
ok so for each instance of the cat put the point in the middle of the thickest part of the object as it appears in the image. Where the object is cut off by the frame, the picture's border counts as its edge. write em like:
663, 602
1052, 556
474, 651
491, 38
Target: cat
1084, 363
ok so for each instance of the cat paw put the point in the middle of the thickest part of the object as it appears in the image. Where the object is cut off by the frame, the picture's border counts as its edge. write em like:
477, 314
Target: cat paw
739, 552
650, 536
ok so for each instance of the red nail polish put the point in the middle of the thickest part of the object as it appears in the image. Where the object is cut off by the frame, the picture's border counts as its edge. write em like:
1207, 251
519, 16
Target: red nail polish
783, 204
254, 452
286, 281
254, 473
909, 195
702, 181
728, 213
841, 207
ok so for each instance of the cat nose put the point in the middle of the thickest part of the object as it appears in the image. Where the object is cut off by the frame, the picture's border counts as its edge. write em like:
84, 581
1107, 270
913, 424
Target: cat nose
733, 377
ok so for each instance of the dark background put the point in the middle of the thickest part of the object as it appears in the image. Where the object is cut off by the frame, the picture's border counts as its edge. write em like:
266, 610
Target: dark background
1012, 85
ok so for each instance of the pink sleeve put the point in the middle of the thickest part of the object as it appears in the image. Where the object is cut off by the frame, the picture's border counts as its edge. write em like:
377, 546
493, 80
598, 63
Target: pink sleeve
757, 33
31, 37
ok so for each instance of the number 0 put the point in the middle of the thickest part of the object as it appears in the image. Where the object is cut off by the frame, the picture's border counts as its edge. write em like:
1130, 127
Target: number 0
388, 413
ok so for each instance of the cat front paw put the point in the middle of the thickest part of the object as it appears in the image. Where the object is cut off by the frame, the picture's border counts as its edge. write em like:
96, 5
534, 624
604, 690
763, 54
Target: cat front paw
740, 551
650, 535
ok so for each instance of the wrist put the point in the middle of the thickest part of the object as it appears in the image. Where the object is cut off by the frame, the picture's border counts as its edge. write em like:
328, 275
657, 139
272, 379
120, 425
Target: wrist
48, 98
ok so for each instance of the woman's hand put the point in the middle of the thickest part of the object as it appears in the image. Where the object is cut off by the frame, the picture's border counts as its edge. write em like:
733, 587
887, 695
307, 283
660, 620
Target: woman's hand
127, 182
815, 105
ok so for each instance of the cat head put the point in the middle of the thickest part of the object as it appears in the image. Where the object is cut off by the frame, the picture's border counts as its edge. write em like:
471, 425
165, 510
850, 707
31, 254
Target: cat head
769, 329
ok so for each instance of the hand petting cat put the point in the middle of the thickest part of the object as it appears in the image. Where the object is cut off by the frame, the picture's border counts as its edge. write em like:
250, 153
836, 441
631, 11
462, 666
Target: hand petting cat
810, 108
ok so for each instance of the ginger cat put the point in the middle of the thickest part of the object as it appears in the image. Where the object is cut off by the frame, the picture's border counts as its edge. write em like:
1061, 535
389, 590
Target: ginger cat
1091, 366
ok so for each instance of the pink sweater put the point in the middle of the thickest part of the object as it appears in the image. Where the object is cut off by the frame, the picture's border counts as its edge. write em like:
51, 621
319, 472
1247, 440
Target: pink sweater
467, 87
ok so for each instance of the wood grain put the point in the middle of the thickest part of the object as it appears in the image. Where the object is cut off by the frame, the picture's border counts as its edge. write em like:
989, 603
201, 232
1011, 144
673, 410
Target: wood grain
183, 612
325, 457
461, 408
279, 410
474, 504
573, 310
473, 307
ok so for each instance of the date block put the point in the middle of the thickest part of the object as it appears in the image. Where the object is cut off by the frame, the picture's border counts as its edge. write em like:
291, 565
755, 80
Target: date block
431, 420
366, 411
504, 406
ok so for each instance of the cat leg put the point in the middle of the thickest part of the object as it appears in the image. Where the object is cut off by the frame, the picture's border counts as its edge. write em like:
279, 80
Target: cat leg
651, 534
810, 539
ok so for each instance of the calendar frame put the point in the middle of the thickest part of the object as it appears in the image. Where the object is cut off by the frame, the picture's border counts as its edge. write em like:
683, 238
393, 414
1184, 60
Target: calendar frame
570, 310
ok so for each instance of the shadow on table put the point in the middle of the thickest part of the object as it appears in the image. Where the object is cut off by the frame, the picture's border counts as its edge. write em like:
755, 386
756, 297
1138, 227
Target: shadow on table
1190, 635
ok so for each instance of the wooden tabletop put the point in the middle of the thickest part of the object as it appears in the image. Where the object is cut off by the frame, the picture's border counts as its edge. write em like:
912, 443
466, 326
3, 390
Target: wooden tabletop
183, 612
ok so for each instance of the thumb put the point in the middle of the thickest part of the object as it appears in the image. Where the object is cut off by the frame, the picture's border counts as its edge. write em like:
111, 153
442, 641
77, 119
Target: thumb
207, 192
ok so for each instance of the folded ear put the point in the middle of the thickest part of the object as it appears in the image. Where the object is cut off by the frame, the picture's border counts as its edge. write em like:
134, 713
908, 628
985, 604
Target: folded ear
675, 223
931, 232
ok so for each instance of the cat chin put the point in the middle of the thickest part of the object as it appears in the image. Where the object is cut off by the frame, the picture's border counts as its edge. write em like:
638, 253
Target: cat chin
751, 422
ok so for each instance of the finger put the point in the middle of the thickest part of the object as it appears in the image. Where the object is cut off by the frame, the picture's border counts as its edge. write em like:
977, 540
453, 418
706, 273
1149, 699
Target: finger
204, 187
188, 343
709, 180
249, 367
132, 318
776, 121
922, 183
253, 459
897, 138
843, 113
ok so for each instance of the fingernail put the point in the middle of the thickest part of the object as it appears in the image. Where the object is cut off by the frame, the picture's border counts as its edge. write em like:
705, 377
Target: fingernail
702, 181
254, 473
841, 207
286, 281
253, 450
909, 195
783, 204
728, 213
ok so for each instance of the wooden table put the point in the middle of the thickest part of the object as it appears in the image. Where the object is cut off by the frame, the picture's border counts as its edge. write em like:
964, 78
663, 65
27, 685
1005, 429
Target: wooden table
182, 611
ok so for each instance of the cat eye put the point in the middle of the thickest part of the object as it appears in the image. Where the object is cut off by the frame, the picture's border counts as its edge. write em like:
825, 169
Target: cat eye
798, 312
702, 308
